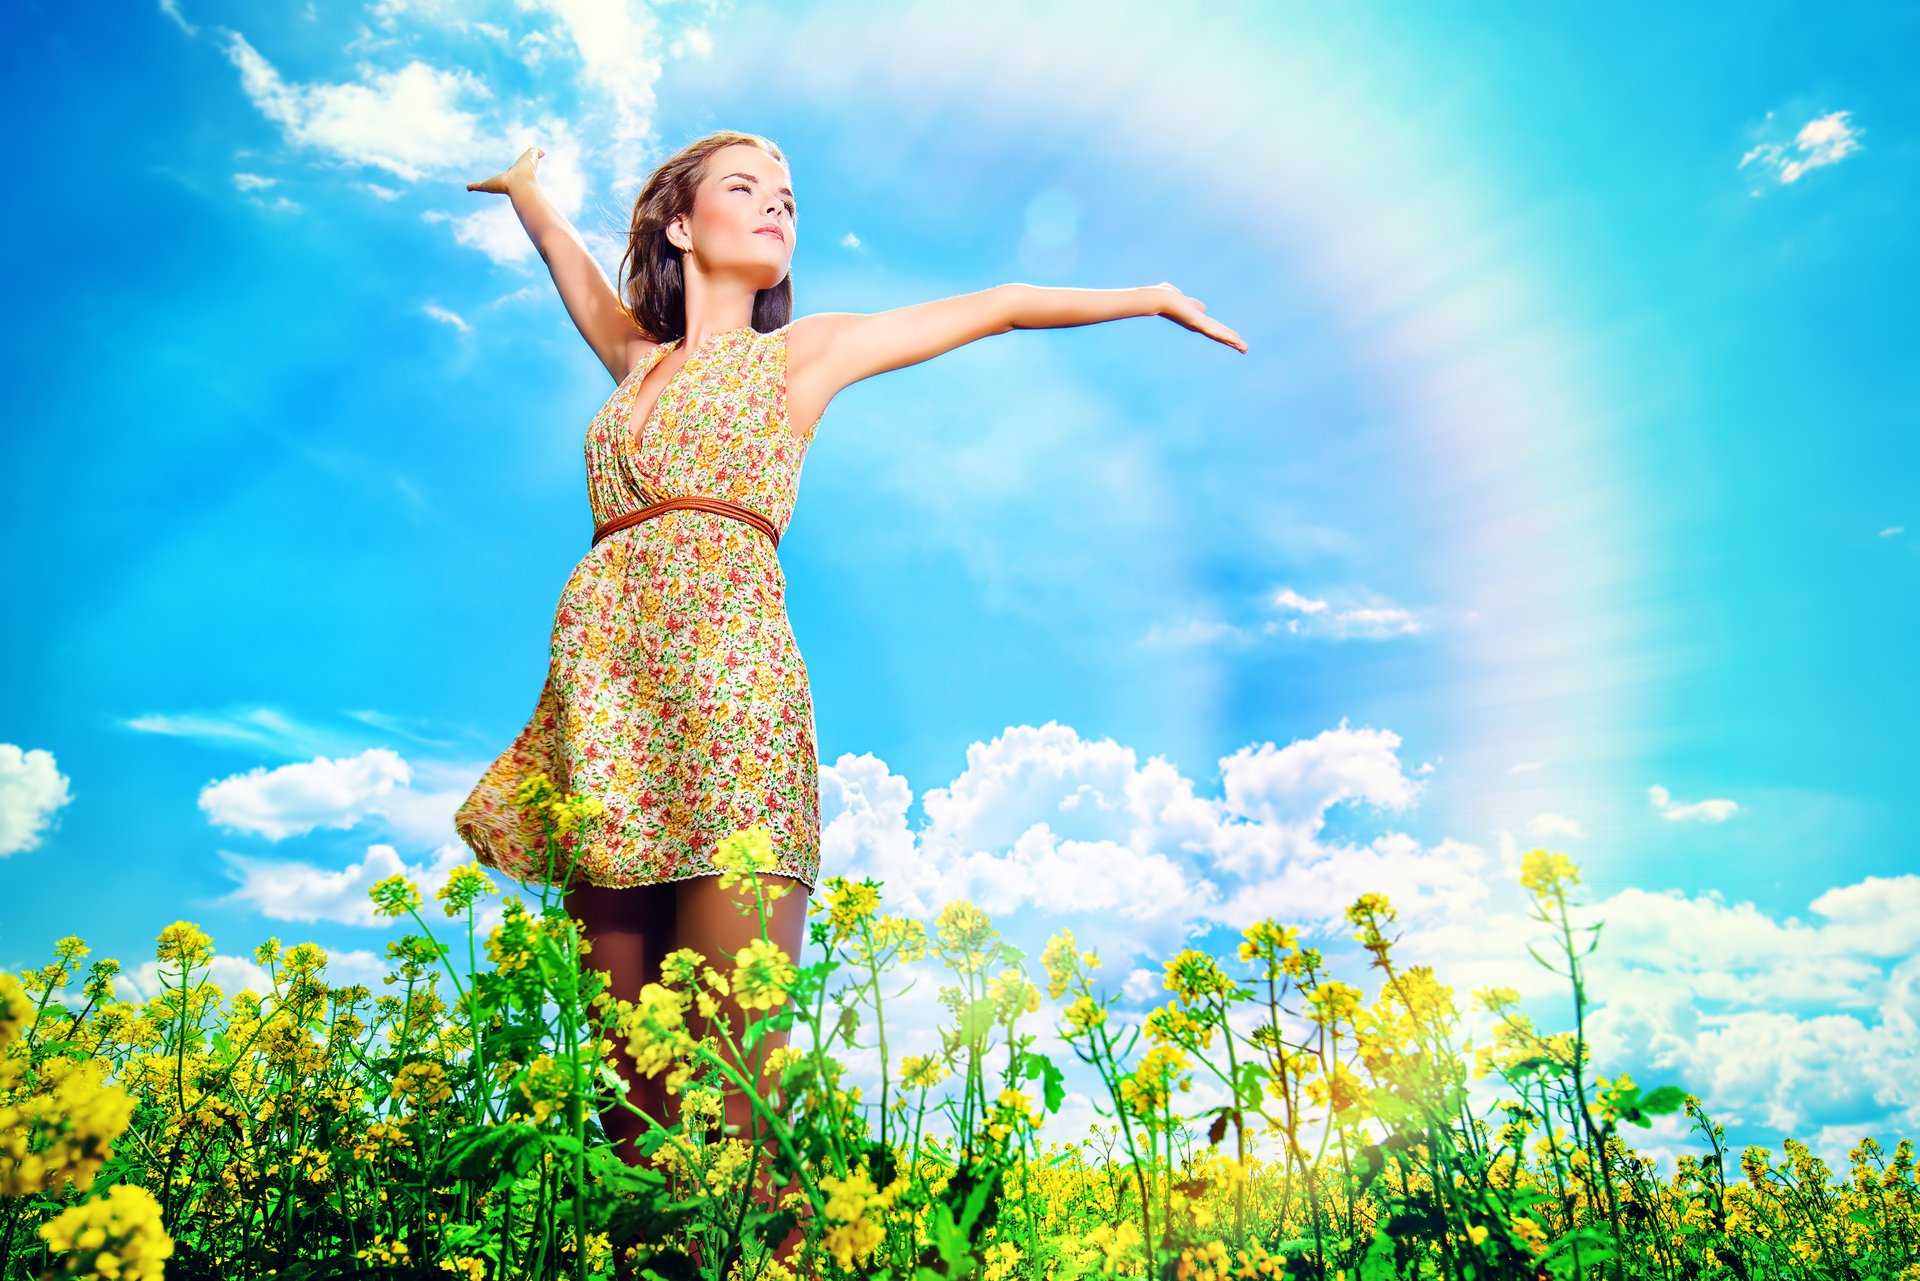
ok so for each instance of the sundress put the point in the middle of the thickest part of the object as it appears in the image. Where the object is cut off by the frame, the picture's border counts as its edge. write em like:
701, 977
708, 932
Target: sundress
675, 691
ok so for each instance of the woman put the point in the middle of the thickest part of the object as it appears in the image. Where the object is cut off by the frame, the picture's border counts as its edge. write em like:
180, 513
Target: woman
675, 692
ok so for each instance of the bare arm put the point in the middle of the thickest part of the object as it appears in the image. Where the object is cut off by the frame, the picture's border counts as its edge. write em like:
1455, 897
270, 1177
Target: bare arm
586, 292
831, 350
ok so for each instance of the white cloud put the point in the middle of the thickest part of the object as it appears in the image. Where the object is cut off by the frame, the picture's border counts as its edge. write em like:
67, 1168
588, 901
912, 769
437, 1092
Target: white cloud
231, 974
1824, 140
32, 790
1709, 811
256, 727
284, 890
295, 799
1548, 827
409, 122
1124, 852
446, 317
172, 9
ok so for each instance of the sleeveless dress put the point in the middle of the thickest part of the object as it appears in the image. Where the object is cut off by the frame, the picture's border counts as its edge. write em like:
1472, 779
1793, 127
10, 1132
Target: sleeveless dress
675, 691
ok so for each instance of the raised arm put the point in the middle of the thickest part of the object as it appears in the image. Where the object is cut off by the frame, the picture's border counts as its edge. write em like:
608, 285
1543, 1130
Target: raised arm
831, 350
588, 295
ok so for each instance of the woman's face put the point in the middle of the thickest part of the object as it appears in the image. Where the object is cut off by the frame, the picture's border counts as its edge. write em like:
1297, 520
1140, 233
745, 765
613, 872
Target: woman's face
743, 212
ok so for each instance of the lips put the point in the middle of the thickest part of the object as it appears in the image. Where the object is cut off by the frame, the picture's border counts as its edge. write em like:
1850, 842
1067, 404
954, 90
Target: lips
770, 231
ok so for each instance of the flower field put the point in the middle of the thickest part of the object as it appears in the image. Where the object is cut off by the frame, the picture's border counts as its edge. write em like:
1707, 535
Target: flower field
329, 1131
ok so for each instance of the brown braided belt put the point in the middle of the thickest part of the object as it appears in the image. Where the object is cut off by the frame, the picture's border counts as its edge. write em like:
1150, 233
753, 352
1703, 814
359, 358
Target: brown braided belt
698, 502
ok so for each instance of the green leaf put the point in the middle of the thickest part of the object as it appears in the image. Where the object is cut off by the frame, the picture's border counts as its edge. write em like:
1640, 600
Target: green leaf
1054, 1087
1666, 1099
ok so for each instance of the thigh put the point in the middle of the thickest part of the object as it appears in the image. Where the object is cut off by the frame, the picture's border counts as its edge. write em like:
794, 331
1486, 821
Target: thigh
630, 927
717, 923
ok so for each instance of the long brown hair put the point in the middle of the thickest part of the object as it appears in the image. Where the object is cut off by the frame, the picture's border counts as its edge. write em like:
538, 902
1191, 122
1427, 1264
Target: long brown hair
652, 289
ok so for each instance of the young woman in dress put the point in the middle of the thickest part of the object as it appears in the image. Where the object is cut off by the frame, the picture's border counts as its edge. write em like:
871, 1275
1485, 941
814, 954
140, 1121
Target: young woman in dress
676, 693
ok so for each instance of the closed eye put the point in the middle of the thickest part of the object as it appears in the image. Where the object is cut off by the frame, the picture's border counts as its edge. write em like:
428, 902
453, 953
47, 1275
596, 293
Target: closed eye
741, 186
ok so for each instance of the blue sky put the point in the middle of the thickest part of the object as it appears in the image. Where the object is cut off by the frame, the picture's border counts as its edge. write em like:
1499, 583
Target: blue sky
1565, 497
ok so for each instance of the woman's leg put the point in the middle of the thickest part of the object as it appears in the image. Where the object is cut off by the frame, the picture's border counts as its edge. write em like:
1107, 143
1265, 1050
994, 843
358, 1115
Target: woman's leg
630, 929
710, 921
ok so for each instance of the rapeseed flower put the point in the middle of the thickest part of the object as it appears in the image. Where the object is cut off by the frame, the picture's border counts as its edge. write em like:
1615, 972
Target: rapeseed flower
1547, 874
849, 904
394, 896
762, 975
1063, 964
467, 882
118, 1235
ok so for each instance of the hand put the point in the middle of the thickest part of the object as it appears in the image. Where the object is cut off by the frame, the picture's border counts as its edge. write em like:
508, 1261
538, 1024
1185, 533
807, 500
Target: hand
520, 170
1191, 312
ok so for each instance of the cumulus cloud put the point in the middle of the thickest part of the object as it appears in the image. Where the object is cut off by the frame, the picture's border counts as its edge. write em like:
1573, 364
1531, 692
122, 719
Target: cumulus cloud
32, 790
284, 890
231, 974
410, 122
294, 799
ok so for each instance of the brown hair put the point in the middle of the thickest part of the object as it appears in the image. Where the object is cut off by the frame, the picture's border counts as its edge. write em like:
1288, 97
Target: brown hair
652, 290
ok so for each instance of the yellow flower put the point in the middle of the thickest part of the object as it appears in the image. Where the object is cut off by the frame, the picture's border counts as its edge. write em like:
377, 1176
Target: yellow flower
118, 1235
1193, 976
184, 943
1265, 941
743, 854
1546, 874
1083, 1014
464, 884
849, 903
1063, 964
394, 896
922, 1071
1332, 1001
966, 937
762, 974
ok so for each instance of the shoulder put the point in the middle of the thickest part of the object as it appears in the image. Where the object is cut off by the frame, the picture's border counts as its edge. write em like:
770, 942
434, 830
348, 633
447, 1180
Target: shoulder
808, 338
631, 353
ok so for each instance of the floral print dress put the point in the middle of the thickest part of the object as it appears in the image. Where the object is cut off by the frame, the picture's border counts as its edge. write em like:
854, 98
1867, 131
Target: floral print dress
675, 691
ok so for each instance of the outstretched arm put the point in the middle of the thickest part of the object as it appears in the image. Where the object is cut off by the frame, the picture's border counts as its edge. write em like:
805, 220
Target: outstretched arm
584, 288
831, 350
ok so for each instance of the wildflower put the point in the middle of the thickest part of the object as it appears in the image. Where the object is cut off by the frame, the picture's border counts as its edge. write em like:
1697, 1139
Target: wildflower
394, 896
744, 854
1147, 1091
535, 790
762, 974
656, 1030
1083, 1014
1063, 963
966, 936
61, 1132
1012, 995
850, 904
464, 884
922, 1071
1547, 874
679, 965
547, 1085
1496, 999
1116, 1243
1171, 1024
423, 1080
1194, 976
183, 942
850, 1202
1265, 941
1332, 1001
1012, 1110
118, 1235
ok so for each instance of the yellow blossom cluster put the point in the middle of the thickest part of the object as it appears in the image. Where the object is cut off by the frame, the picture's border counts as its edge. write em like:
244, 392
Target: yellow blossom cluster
119, 1236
